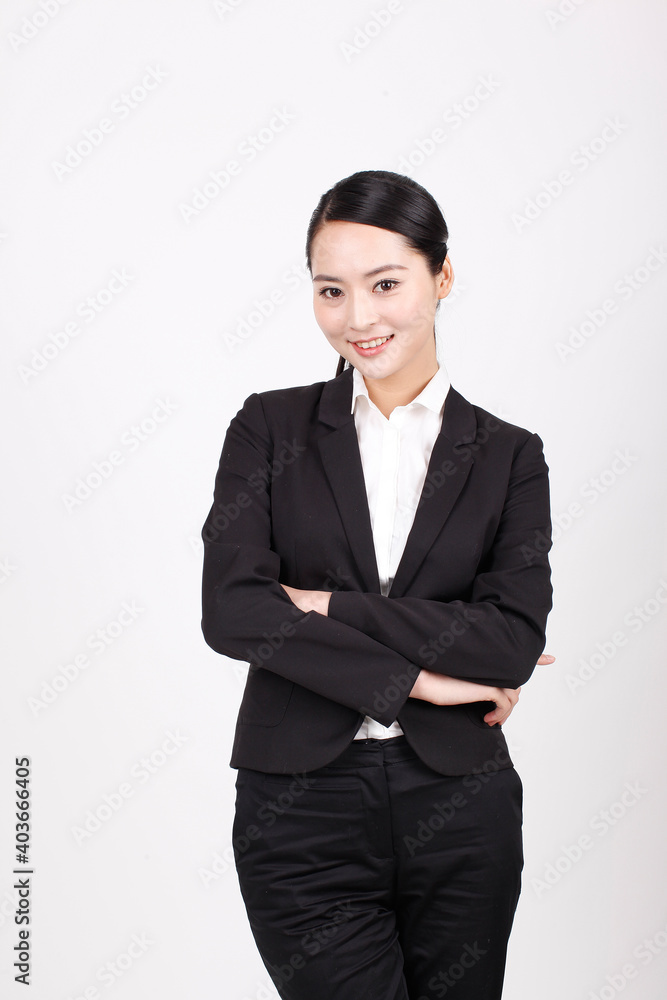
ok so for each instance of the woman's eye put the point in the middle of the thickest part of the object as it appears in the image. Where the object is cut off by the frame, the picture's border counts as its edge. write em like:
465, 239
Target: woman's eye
384, 285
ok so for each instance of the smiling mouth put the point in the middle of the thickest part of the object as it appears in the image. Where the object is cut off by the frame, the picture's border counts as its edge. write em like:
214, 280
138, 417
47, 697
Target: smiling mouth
366, 344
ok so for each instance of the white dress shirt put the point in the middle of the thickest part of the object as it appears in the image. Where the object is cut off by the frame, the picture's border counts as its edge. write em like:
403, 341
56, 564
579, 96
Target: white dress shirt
395, 453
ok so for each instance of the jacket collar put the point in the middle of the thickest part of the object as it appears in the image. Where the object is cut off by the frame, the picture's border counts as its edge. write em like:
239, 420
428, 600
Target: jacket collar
447, 473
432, 396
459, 423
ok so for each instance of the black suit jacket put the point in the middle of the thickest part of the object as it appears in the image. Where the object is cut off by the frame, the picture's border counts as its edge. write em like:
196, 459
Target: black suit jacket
470, 597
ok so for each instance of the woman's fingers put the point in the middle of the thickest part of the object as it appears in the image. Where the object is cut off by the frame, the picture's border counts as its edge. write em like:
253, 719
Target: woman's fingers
440, 689
505, 699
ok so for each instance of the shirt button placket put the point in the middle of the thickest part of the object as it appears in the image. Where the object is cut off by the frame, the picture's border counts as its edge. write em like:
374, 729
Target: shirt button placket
388, 492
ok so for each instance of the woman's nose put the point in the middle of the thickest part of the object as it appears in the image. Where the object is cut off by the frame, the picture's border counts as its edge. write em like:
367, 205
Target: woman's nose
362, 313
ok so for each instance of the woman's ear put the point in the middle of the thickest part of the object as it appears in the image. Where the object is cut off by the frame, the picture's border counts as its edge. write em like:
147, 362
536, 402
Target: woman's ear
445, 278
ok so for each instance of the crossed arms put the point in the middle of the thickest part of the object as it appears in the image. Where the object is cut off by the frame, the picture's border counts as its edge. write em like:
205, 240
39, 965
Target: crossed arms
348, 649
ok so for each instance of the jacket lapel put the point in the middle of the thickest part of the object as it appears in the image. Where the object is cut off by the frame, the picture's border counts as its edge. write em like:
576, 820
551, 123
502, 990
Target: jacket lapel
342, 463
446, 475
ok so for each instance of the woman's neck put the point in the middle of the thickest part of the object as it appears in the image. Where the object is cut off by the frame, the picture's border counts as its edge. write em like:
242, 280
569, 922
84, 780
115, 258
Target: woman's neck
399, 388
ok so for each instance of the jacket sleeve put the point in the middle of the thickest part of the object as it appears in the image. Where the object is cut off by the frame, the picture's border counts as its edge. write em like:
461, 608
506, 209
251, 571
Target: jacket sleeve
247, 615
497, 636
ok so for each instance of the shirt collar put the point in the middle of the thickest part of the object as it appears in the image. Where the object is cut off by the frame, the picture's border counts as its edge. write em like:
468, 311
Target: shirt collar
432, 396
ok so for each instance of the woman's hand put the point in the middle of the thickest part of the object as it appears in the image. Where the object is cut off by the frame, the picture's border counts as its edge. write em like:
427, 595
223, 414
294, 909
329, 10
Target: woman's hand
309, 600
440, 689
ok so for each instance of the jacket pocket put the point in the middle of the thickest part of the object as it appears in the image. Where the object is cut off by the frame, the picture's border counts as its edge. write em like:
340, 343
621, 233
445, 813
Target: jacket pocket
265, 698
476, 712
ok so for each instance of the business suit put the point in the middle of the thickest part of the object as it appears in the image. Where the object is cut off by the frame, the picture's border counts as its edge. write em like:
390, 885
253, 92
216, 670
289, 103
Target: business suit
386, 870
470, 597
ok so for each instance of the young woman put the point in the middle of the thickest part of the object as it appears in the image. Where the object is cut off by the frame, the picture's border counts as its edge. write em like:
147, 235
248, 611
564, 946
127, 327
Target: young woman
377, 551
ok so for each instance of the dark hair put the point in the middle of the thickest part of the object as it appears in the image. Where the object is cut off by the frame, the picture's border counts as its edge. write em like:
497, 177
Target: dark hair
389, 201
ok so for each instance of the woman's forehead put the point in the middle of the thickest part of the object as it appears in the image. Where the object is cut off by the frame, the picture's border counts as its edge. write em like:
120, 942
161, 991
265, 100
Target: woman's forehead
358, 244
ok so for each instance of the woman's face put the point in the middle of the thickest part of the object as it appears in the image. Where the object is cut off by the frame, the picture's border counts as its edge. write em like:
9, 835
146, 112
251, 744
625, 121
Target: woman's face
369, 286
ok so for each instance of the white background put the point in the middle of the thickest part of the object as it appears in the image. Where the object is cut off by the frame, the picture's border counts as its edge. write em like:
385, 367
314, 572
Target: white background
356, 95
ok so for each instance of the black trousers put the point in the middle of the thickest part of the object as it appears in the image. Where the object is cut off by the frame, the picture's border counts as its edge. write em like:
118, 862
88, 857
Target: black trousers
376, 878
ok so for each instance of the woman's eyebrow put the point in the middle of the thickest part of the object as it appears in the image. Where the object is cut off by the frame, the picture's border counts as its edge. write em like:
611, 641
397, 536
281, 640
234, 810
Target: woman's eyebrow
376, 270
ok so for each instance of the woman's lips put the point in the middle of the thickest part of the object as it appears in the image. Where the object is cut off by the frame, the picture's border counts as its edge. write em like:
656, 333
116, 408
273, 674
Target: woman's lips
368, 352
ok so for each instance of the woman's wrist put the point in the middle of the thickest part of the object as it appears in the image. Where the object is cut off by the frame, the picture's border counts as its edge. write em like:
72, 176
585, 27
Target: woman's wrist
320, 600
441, 689
309, 600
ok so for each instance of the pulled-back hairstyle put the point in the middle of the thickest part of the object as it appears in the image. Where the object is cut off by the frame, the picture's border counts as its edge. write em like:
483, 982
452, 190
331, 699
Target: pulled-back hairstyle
389, 201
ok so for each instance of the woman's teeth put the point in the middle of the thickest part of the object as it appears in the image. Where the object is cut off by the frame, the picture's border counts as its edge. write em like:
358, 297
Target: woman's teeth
372, 343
